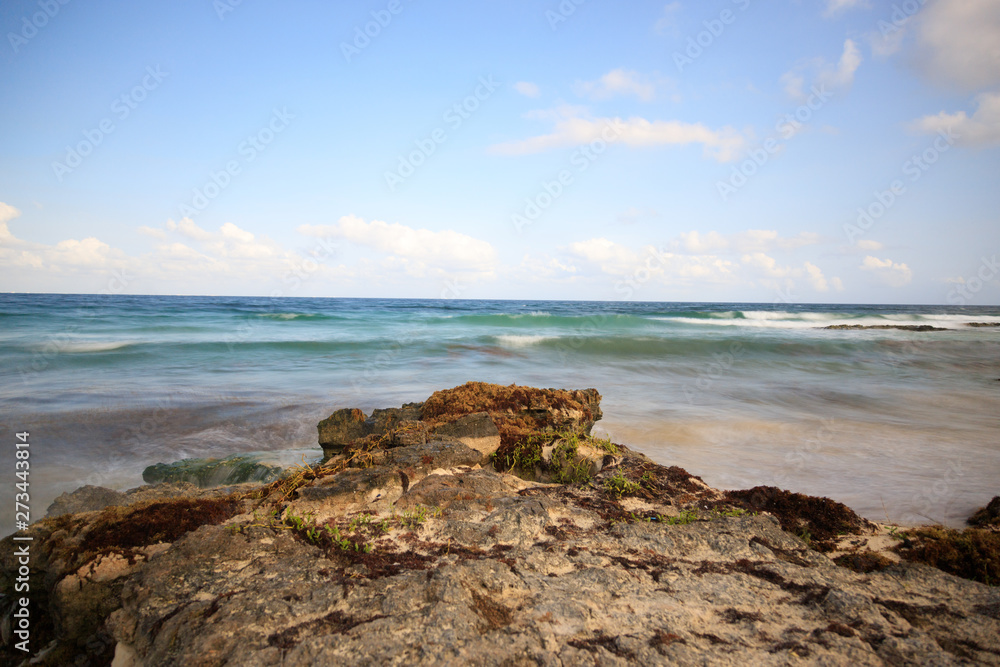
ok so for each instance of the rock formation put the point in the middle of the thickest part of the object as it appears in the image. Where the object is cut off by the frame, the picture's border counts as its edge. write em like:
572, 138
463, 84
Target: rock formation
408, 547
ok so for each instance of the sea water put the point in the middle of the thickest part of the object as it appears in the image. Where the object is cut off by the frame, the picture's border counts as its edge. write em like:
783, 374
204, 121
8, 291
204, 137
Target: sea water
899, 425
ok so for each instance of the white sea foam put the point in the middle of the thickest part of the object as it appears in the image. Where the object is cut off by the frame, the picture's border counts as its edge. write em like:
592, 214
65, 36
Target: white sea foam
285, 316
519, 340
534, 313
82, 347
812, 320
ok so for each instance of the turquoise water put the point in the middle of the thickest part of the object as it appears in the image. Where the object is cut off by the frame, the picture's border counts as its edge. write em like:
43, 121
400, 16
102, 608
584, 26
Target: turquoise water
893, 423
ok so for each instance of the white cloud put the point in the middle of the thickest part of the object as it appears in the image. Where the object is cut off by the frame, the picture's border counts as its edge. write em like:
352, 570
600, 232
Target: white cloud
752, 240
767, 266
7, 213
612, 257
980, 130
527, 89
959, 42
833, 78
617, 82
724, 144
156, 233
229, 230
869, 245
88, 253
187, 227
887, 272
816, 278
835, 7
231, 260
668, 268
229, 243
443, 249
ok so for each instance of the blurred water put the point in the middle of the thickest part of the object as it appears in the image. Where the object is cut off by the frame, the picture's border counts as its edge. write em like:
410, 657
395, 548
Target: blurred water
894, 423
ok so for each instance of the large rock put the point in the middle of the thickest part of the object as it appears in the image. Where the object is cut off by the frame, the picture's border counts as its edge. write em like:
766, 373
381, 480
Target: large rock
517, 410
340, 429
417, 555
468, 571
487, 417
391, 426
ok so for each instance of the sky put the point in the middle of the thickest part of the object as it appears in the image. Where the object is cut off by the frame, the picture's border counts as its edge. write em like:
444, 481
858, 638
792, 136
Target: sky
791, 151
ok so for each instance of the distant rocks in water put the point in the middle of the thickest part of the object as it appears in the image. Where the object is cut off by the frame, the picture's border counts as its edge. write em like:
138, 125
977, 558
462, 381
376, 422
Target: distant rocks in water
901, 327
987, 516
235, 469
907, 327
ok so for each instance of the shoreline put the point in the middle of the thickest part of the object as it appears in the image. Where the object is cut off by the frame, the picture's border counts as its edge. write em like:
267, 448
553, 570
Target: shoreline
483, 524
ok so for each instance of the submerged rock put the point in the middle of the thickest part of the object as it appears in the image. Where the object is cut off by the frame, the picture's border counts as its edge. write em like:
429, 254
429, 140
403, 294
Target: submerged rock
235, 469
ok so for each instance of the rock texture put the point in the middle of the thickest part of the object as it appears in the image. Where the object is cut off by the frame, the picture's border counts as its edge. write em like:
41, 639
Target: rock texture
987, 516
419, 554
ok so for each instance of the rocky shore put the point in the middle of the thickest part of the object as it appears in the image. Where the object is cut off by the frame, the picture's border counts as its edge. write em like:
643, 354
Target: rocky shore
487, 526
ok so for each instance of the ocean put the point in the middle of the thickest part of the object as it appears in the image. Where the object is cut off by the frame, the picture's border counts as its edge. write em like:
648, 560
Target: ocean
900, 425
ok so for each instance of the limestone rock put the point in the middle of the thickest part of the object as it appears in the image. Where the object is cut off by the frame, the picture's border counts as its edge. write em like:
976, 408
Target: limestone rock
987, 516
477, 431
415, 554
340, 428
85, 499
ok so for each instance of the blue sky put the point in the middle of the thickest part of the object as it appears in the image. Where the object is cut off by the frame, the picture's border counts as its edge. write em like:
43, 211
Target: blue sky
827, 151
